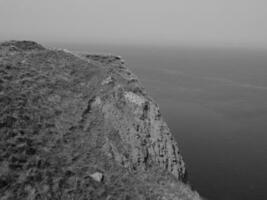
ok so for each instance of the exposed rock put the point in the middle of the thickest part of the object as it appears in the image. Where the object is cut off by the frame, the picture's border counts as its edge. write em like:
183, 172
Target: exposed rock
97, 176
108, 80
65, 117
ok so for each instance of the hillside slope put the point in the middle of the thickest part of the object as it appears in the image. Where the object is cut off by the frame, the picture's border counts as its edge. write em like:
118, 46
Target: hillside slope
81, 127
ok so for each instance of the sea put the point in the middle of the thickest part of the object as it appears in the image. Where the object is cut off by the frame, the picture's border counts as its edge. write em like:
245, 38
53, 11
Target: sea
214, 100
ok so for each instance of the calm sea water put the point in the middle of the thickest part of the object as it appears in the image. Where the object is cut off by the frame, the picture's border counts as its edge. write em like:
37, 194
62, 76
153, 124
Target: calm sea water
215, 103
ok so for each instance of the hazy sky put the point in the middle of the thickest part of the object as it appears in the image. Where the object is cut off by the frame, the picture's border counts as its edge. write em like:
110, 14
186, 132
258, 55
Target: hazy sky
211, 22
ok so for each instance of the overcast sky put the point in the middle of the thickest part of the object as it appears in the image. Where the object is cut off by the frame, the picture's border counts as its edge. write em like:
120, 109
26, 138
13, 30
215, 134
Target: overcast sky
204, 22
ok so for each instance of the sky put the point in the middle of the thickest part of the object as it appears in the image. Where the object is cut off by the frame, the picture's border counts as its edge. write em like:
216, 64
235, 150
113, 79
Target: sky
164, 22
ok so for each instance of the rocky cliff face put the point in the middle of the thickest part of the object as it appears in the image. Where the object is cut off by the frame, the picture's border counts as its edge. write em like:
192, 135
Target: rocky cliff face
81, 126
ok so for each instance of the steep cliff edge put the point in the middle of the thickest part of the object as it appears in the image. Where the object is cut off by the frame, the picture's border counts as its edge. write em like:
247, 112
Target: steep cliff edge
81, 127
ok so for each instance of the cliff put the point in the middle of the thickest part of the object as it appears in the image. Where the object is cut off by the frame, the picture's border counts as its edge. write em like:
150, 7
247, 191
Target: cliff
81, 127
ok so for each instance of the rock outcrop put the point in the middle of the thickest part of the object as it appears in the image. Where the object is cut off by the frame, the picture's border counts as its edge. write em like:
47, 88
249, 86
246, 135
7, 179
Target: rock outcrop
66, 119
